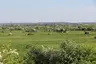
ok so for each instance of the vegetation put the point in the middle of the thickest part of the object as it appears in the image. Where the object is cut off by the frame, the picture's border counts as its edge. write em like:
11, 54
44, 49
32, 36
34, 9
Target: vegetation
9, 55
24, 36
68, 53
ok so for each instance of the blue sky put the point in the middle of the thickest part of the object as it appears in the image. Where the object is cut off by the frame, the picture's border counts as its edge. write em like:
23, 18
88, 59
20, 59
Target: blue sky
47, 10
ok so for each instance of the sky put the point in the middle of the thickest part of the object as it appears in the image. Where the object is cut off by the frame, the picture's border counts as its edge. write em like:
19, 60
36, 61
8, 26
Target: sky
47, 11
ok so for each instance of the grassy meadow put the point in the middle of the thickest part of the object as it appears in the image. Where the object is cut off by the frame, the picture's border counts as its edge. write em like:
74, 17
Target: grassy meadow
19, 39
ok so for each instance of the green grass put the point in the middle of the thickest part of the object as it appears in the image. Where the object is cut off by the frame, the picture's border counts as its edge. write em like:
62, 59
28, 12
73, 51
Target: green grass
19, 39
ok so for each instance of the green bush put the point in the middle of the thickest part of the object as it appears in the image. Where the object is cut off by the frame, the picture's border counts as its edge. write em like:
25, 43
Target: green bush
30, 33
9, 55
68, 53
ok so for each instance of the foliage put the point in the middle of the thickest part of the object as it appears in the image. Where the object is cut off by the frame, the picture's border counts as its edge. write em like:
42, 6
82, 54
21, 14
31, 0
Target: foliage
46, 35
68, 53
9, 55
86, 32
30, 33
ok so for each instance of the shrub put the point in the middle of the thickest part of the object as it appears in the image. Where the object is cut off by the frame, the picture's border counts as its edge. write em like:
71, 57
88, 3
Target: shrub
18, 28
95, 37
30, 30
68, 53
9, 55
41, 56
86, 32
30, 34
72, 53
61, 30
49, 33
2, 31
10, 34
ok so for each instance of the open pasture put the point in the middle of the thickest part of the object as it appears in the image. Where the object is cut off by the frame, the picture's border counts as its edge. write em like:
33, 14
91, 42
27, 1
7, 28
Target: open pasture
19, 39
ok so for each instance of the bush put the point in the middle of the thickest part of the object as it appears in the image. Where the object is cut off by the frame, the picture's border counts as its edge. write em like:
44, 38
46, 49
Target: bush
9, 55
30, 30
2, 31
61, 30
86, 32
68, 53
95, 37
72, 53
49, 33
41, 56
10, 34
30, 34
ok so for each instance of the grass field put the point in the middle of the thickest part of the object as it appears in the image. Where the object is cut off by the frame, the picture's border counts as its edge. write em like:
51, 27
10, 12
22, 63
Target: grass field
19, 39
